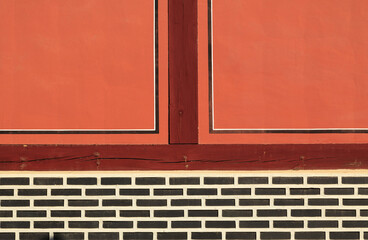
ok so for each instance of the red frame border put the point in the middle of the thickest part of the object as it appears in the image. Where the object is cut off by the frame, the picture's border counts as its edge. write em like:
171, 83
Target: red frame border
183, 152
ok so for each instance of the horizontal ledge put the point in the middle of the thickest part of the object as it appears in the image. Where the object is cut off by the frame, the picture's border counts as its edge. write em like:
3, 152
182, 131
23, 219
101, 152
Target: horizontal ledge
183, 157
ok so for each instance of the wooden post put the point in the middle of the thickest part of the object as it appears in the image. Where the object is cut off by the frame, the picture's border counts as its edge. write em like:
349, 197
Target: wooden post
183, 73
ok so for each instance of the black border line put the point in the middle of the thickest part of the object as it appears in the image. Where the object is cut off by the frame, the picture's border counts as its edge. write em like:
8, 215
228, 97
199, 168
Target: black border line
209, 20
156, 73
253, 131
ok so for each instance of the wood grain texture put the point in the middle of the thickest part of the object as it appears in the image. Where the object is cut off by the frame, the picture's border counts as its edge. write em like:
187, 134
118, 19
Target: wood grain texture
183, 157
183, 71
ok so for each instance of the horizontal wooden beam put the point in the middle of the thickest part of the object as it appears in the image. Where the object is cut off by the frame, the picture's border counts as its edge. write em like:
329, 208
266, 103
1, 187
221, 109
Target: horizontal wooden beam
183, 157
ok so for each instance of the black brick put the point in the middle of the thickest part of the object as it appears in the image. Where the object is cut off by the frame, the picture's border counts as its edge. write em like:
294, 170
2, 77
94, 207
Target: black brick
355, 224
7, 236
32, 192
48, 181
118, 224
48, 203
150, 181
364, 213
82, 181
287, 180
206, 235
254, 224
236, 191
344, 235
167, 192
169, 213
103, 235
115, 181
202, 213
322, 180
6, 192
363, 191
289, 202
134, 213
152, 224
220, 202
254, 202
34, 236
306, 213
151, 202
310, 235
240, 235
134, 192
323, 202
138, 235
14, 181
15, 224
100, 192
270, 191
218, 180
14, 203
202, 191
48, 224
186, 224
366, 235
304, 191
117, 202
82, 203
65, 213
355, 180
83, 224
275, 235
69, 236
339, 191
186, 202
323, 224
288, 224
253, 180
27, 213
271, 213
172, 235
185, 181
220, 224
100, 213
237, 213
355, 202
340, 213
66, 192
6, 214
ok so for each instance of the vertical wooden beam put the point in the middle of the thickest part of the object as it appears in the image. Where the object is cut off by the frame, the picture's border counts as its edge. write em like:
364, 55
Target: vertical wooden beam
183, 72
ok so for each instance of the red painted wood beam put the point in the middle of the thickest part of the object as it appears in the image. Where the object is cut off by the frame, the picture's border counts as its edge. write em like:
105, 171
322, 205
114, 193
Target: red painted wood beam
183, 72
183, 157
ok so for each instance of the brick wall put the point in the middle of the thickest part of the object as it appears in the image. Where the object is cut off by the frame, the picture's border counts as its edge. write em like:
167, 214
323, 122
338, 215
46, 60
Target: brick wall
184, 205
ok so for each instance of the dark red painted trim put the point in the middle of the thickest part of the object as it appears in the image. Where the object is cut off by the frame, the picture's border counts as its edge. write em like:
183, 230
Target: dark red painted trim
183, 157
183, 72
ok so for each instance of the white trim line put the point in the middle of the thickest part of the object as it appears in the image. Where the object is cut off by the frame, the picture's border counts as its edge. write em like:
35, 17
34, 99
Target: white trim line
254, 129
287, 129
60, 130
113, 130
154, 65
